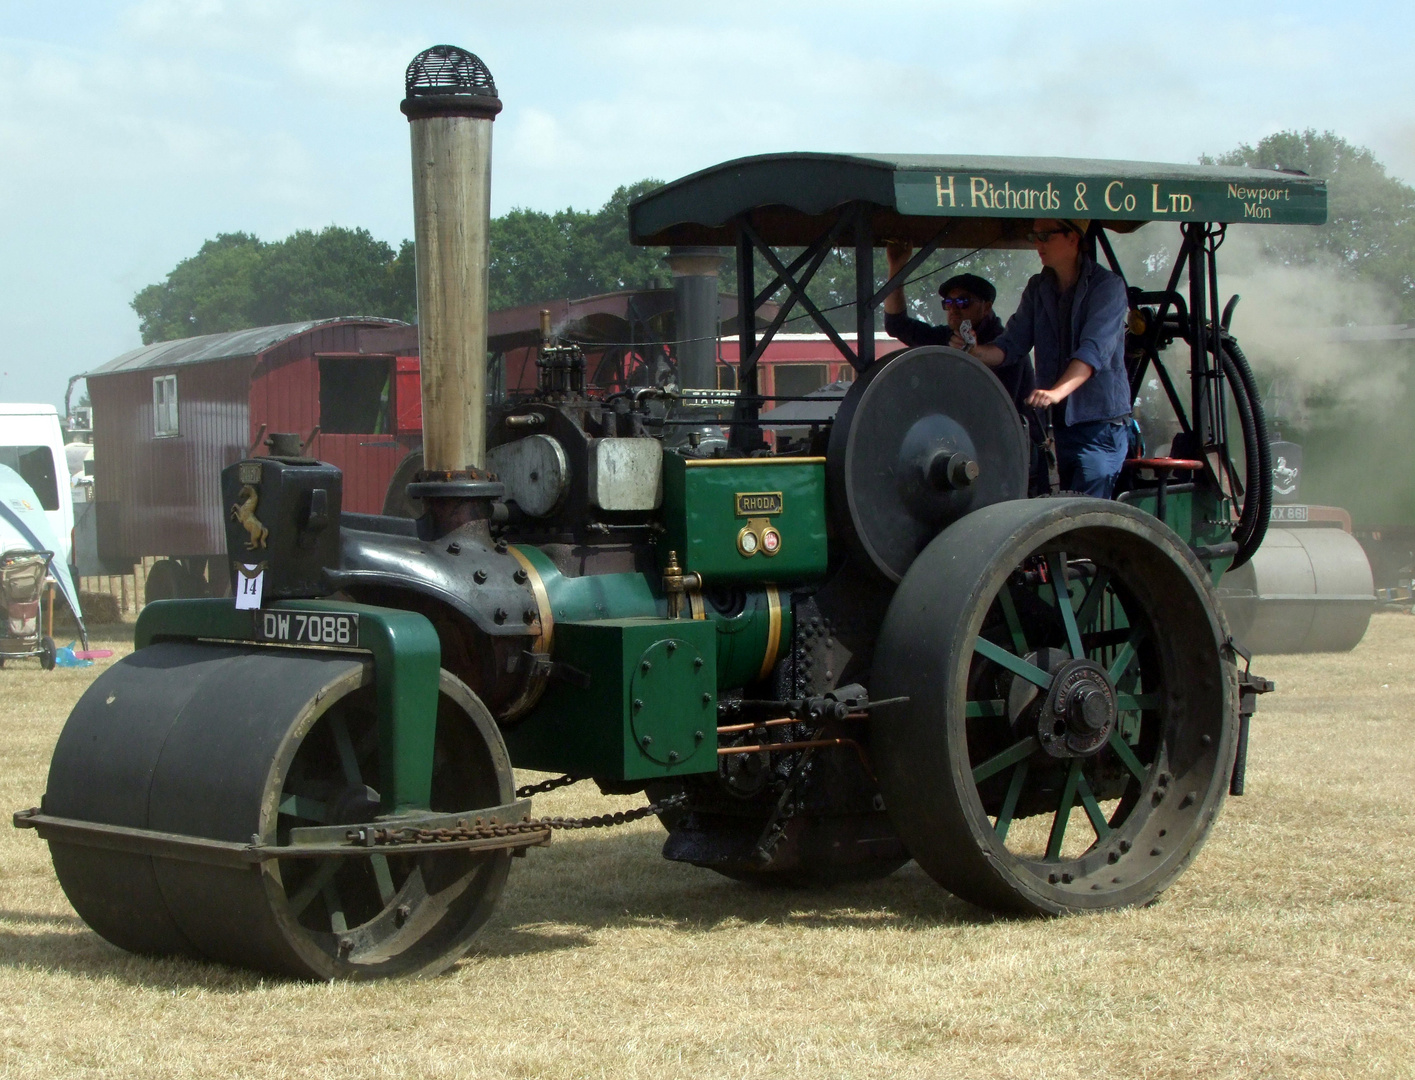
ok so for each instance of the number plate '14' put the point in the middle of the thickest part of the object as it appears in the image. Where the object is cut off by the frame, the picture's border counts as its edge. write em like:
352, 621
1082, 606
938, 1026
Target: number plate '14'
308, 628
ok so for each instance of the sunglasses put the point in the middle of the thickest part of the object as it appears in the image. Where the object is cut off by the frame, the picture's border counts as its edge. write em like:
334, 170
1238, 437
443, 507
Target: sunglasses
1042, 236
958, 301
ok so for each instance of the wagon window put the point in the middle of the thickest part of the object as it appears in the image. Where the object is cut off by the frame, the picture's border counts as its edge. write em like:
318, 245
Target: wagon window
355, 395
164, 406
726, 377
35, 464
797, 380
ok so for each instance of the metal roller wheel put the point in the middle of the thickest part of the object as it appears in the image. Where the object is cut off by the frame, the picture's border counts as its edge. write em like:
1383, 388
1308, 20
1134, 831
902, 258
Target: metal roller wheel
1055, 756
239, 745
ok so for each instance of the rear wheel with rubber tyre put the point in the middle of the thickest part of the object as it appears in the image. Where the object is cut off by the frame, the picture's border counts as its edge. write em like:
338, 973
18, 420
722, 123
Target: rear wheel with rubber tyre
1064, 747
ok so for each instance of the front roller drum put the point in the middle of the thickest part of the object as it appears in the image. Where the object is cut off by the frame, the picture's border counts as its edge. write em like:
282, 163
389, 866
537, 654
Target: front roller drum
1070, 728
242, 745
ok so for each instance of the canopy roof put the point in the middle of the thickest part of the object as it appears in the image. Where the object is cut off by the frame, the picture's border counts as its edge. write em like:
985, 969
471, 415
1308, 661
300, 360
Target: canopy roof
981, 200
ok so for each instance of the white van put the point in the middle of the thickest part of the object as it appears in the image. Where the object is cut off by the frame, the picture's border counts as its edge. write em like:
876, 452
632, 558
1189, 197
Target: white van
32, 443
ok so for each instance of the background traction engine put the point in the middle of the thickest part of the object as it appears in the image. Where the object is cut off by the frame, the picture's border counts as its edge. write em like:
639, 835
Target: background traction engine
817, 665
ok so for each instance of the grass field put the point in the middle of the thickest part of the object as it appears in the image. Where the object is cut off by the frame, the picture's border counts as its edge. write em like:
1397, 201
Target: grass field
1288, 949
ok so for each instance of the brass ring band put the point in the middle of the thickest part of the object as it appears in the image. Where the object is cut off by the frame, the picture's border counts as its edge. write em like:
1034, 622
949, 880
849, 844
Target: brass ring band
773, 631
546, 638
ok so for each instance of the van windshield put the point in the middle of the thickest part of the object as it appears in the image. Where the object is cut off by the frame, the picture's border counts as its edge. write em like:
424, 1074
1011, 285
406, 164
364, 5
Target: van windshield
35, 464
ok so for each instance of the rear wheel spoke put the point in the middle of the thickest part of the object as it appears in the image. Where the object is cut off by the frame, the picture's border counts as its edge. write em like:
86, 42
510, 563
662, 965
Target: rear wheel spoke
993, 708
1063, 812
1016, 752
1136, 702
1125, 657
1093, 809
1015, 664
1056, 563
1091, 605
1127, 755
1009, 804
1014, 624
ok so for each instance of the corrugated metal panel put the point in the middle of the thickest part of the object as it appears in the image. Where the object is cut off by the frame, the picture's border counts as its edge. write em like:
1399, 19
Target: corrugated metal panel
162, 495
230, 346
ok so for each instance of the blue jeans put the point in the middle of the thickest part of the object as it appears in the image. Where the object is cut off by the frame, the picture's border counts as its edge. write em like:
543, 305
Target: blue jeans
1089, 456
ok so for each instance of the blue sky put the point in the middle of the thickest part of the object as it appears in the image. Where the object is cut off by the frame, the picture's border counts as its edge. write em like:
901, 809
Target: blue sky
131, 132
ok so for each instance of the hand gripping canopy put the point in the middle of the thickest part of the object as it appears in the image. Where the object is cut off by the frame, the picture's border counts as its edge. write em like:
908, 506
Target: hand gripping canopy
920, 440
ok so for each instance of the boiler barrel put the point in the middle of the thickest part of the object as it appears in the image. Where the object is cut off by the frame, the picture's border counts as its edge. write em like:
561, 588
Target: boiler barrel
1306, 590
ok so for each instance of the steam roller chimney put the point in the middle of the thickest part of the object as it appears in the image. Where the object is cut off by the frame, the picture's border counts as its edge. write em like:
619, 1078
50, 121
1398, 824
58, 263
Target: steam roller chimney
450, 104
695, 271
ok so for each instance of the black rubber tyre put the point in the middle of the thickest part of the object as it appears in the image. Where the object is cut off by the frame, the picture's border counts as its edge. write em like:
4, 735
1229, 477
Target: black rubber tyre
48, 653
231, 743
974, 625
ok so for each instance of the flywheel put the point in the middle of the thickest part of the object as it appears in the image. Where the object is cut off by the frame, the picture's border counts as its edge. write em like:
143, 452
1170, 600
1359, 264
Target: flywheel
921, 439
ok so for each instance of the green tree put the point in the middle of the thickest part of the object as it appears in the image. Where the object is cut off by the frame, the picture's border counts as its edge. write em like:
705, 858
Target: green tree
212, 291
569, 253
319, 275
236, 281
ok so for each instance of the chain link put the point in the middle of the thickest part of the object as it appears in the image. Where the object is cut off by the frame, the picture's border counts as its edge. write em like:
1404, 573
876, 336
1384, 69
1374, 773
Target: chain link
410, 835
547, 785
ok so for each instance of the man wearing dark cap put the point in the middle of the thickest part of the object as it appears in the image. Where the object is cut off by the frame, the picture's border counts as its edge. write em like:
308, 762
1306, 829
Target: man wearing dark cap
968, 298
1073, 316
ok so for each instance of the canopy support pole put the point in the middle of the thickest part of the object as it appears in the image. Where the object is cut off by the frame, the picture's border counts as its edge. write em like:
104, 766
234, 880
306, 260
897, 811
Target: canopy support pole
745, 434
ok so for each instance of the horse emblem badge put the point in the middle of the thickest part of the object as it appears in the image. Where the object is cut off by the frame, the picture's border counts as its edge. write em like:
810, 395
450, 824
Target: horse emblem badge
244, 512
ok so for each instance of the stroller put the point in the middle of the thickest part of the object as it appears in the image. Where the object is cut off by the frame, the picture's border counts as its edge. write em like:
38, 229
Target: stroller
23, 574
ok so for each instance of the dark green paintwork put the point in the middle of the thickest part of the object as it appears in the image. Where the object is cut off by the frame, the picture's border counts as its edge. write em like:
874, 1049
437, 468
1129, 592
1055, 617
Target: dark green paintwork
1200, 517
595, 596
599, 731
701, 522
801, 187
742, 639
407, 660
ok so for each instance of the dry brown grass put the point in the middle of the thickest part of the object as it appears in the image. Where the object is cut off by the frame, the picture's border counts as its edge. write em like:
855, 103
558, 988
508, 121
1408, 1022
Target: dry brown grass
1287, 950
